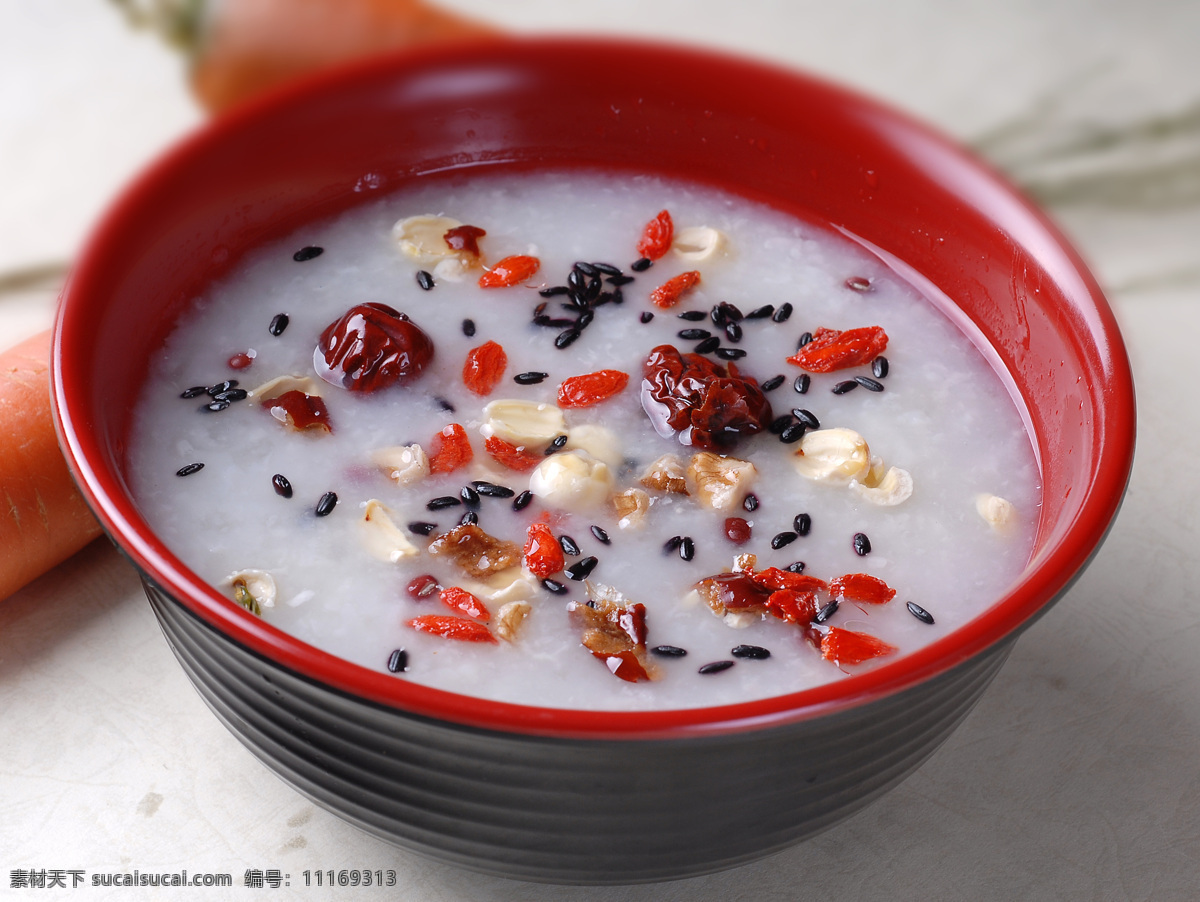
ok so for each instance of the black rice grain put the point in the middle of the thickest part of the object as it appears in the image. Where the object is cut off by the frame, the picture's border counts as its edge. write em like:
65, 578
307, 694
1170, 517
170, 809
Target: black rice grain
879, 367
397, 661
672, 544
793, 433
783, 314
553, 585
566, 338
826, 612
750, 502
530, 378
445, 405
687, 548
780, 423
795, 567
601, 535
214, 390
868, 383
618, 281
586, 268
693, 334
468, 328
692, 316
753, 652
425, 280
469, 496
716, 666
194, 392
862, 545
773, 383
842, 387
216, 406
470, 518
807, 417
491, 490
641, 265
283, 488
607, 269
421, 528
669, 651
307, 253
442, 502
802, 383
710, 344
234, 394
783, 539
919, 612
522, 500
581, 569
326, 505
279, 322
189, 469
733, 332
568, 545
646, 316
802, 524
730, 353
554, 291
761, 312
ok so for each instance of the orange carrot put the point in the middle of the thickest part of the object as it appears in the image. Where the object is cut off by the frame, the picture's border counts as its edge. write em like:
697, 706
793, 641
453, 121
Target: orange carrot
43, 519
252, 45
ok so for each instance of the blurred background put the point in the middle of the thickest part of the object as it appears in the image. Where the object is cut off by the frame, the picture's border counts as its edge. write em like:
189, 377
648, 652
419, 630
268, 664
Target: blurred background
1074, 779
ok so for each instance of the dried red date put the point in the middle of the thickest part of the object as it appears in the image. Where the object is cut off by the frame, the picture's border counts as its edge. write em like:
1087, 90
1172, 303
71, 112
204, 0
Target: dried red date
300, 411
464, 238
708, 406
371, 347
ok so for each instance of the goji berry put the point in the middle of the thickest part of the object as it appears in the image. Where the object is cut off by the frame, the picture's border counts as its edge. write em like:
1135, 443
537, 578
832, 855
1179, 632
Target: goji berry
792, 606
737, 530
543, 554
669, 292
449, 450
509, 455
509, 271
623, 664
832, 350
484, 368
591, 388
861, 587
452, 628
240, 361
844, 646
457, 599
774, 578
464, 238
656, 236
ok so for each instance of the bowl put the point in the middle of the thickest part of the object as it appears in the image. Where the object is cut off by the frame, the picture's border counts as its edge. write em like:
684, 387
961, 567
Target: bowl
564, 795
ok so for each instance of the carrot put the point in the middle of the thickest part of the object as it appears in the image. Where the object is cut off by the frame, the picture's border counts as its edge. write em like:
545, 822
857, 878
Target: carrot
43, 519
252, 45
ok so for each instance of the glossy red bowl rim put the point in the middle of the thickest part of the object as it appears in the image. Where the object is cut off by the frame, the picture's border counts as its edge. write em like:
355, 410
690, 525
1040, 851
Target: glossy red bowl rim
1044, 581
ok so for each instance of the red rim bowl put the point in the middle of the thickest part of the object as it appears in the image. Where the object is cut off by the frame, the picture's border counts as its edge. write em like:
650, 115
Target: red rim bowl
768, 134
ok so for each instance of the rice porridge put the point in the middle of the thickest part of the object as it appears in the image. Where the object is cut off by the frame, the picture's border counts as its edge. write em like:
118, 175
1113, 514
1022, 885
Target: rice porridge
585, 440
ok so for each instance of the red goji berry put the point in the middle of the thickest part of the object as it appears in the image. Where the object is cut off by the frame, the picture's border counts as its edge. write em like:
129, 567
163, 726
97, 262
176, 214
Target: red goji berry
457, 599
452, 628
543, 554
509, 271
591, 388
484, 368
774, 578
656, 236
737, 530
623, 664
861, 587
509, 455
240, 361
832, 350
449, 450
792, 606
464, 238
669, 292
850, 647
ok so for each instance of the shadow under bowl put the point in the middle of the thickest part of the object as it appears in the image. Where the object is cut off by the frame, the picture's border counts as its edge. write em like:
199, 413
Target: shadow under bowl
578, 796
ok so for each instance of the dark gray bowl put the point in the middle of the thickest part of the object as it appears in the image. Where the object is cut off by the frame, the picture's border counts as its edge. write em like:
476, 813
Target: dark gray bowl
576, 796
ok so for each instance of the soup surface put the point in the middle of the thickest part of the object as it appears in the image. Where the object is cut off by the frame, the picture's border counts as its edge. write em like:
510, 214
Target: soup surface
449, 515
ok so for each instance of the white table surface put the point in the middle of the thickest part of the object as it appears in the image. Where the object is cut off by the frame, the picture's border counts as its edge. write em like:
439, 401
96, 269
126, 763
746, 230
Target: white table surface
1077, 775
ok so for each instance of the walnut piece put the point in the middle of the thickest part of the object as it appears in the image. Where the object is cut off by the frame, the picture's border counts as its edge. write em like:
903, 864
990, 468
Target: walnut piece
475, 552
720, 482
404, 465
510, 618
632, 506
666, 475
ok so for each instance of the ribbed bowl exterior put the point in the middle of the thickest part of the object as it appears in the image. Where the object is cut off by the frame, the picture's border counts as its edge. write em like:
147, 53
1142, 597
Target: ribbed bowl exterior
564, 810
